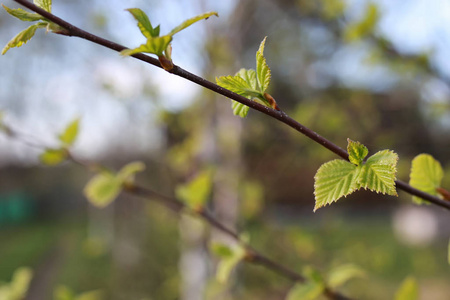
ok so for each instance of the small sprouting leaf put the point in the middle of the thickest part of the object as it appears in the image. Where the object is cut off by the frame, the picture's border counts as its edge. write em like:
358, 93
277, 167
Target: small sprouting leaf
230, 257
195, 193
53, 157
239, 109
426, 175
102, 189
378, 173
238, 84
309, 290
251, 80
144, 23
23, 36
128, 171
22, 14
356, 152
44, 4
191, 21
333, 180
154, 45
409, 290
262, 69
341, 274
70, 133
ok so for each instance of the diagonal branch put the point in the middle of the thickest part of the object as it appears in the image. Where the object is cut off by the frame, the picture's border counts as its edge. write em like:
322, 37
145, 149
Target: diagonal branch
279, 115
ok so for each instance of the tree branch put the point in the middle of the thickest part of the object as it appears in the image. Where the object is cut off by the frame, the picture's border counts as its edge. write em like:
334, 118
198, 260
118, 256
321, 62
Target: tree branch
279, 115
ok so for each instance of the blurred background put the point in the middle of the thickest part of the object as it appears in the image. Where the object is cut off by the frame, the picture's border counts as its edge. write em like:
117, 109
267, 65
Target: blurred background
376, 72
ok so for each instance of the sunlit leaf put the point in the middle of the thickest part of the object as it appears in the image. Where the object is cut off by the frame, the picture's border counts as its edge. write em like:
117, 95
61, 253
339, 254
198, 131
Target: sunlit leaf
409, 290
70, 133
239, 109
309, 290
128, 52
154, 45
341, 274
333, 180
251, 80
229, 259
23, 37
378, 174
52, 157
236, 84
356, 152
221, 250
191, 21
102, 189
144, 23
20, 283
262, 69
22, 14
426, 175
195, 193
44, 4
128, 171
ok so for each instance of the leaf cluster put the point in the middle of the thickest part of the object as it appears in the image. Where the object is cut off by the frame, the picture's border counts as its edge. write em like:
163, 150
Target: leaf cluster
25, 35
339, 178
250, 84
156, 44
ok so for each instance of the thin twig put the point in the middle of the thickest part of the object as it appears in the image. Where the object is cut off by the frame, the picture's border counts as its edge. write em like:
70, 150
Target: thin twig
279, 115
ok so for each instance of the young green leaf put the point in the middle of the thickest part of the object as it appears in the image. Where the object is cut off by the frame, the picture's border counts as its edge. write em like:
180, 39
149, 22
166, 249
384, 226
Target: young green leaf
409, 290
243, 83
339, 178
102, 189
128, 171
154, 45
378, 173
23, 36
230, 257
70, 133
262, 69
341, 274
333, 180
22, 14
239, 109
191, 21
309, 290
144, 23
44, 4
195, 193
356, 152
53, 157
426, 175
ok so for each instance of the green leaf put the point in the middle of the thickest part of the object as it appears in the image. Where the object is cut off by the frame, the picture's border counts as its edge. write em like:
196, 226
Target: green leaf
426, 175
20, 283
52, 157
44, 4
251, 80
70, 133
221, 250
195, 193
144, 23
364, 27
333, 180
239, 109
128, 171
233, 256
378, 173
22, 14
262, 69
243, 83
409, 290
356, 152
341, 274
309, 290
102, 189
191, 21
23, 37
154, 45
